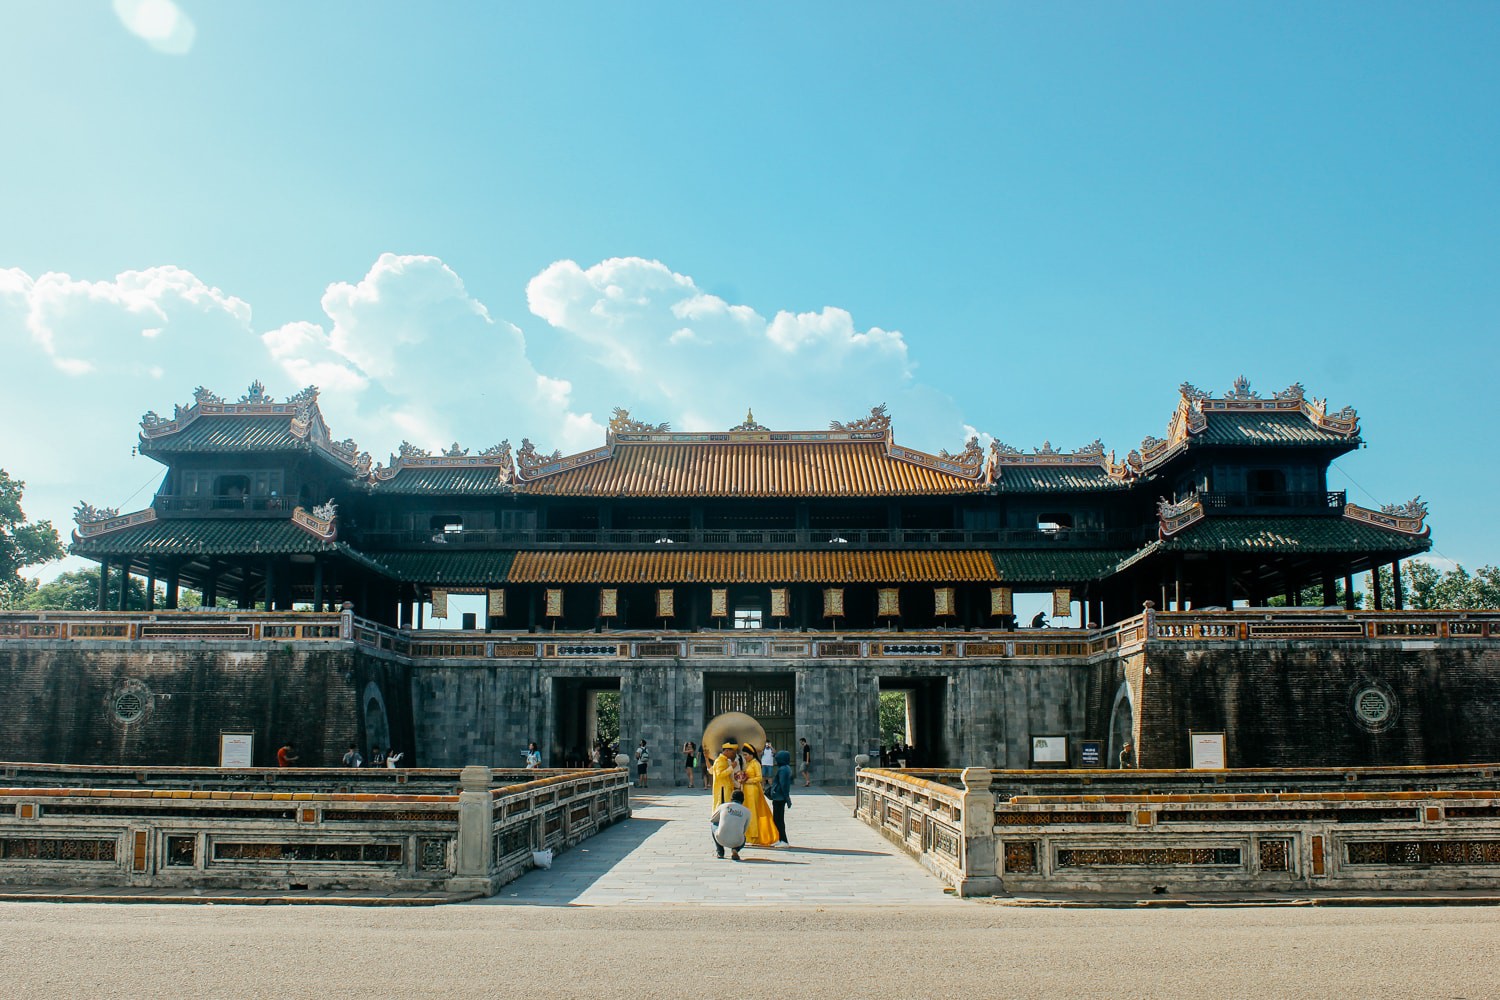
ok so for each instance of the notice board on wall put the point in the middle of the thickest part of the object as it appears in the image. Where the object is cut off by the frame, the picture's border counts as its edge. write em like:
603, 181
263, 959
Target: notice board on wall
236, 749
1207, 751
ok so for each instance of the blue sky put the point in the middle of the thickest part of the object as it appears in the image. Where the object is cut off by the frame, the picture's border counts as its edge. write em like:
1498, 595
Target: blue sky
485, 221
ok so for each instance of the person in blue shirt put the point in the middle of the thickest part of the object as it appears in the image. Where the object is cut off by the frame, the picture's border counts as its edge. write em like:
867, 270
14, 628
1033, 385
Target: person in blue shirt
779, 792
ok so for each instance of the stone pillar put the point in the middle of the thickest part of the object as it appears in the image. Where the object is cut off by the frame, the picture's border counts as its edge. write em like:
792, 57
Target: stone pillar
981, 866
475, 829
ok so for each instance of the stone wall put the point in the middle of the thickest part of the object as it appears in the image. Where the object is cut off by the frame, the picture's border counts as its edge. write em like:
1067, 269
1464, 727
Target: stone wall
63, 700
1293, 704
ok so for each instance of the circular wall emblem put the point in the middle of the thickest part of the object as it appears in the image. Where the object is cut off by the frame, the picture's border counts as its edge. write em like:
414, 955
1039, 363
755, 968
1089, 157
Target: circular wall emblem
131, 703
1375, 707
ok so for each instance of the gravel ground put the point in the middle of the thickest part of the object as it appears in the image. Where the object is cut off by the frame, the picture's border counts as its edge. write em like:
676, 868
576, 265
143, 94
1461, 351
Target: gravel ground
149, 950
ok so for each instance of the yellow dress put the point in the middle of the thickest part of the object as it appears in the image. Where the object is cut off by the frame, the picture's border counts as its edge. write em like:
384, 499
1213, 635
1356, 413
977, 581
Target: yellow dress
722, 771
762, 829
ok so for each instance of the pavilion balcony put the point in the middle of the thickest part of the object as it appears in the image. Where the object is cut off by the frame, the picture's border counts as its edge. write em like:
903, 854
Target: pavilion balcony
758, 539
1330, 502
230, 505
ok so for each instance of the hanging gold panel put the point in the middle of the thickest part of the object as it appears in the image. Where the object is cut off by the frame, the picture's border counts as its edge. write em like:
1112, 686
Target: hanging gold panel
833, 602
889, 601
609, 602
554, 602
440, 604
718, 603
1062, 603
781, 602
664, 603
1000, 601
497, 603
944, 602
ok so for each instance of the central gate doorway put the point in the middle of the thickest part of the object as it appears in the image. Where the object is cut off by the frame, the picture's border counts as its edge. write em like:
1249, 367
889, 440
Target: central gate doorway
770, 699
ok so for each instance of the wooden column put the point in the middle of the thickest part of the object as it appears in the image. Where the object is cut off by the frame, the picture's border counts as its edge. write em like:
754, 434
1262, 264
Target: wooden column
1375, 587
103, 585
211, 585
1348, 592
1330, 589
317, 585
1399, 597
174, 585
421, 615
271, 582
125, 586
150, 584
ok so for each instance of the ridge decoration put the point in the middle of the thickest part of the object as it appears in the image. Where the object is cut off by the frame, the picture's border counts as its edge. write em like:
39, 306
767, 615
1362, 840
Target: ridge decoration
749, 423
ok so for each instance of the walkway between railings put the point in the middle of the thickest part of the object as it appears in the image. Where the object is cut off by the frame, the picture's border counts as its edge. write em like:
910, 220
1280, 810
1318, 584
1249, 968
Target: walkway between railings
663, 855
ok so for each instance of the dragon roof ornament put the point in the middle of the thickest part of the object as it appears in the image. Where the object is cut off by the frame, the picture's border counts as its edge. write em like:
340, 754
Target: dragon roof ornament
878, 420
87, 513
1195, 407
621, 422
1003, 455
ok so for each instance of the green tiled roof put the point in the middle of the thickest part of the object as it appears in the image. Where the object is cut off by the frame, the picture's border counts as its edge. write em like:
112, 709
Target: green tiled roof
1061, 565
1290, 535
204, 536
426, 480
1053, 478
447, 567
232, 433
1262, 429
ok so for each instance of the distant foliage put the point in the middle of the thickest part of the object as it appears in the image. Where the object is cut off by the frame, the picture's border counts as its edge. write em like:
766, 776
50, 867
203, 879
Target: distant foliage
892, 718
1423, 588
21, 543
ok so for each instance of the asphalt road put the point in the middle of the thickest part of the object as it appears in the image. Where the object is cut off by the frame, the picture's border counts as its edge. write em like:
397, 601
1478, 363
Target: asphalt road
967, 948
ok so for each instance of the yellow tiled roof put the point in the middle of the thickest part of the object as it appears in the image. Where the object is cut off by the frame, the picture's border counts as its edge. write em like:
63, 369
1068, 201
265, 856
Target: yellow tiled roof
753, 567
775, 469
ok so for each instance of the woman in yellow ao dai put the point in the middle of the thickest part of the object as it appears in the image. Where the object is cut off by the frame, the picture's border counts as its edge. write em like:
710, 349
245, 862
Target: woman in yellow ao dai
762, 829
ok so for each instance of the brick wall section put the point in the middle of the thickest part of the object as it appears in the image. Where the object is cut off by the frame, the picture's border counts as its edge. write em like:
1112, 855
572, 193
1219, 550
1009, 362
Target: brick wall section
1290, 704
59, 701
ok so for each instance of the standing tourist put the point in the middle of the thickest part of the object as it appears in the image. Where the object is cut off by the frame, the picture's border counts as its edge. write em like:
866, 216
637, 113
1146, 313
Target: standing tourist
762, 830
393, 759
767, 759
377, 757
806, 763
690, 760
533, 756
642, 764
780, 794
353, 758
287, 755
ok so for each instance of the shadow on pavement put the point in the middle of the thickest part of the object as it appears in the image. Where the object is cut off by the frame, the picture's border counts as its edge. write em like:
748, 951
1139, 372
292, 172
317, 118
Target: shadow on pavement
576, 869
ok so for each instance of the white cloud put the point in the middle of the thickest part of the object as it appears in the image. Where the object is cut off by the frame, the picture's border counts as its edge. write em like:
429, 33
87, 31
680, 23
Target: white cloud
161, 24
673, 351
406, 352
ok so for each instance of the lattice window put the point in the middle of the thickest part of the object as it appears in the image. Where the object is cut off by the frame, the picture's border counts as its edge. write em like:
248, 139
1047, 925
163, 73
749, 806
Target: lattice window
1152, 857
1020, 856
318, 853
1423, 852
432, 854
182, 852
55, 849
1056, 818
1275, 855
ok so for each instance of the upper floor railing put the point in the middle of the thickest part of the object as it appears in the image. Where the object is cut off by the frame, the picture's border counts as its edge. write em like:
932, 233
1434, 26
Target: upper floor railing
223, 505
1242, 625
1321, 502
740, 538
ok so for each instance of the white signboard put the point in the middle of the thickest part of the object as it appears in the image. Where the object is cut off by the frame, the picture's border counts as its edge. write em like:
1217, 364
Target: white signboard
236, 749
1049, 749
1208, 751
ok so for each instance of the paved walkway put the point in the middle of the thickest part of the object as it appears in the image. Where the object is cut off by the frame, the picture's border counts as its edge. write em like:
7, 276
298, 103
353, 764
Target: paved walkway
663, 856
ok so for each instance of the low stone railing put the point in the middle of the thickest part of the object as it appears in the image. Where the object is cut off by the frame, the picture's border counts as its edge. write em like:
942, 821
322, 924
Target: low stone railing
774, 644
459, 833
1141, 843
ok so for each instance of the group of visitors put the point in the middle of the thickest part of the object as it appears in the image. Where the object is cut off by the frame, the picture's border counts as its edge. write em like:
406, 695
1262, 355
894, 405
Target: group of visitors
747, 810
899, 754
287, 756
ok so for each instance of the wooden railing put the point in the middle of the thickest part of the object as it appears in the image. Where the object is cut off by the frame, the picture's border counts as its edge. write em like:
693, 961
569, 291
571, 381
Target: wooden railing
460, 831
758, 539
1435, 838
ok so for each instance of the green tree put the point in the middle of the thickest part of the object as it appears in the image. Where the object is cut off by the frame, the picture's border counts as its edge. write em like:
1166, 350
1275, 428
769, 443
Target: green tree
78, 590
892, 717
607, 711
22, 543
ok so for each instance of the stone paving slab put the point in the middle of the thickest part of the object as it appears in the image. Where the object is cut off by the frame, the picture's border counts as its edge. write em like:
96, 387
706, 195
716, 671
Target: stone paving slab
663, 856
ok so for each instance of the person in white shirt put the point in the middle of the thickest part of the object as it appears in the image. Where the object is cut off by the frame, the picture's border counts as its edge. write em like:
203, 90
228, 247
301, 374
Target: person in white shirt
767, 759
730, 821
